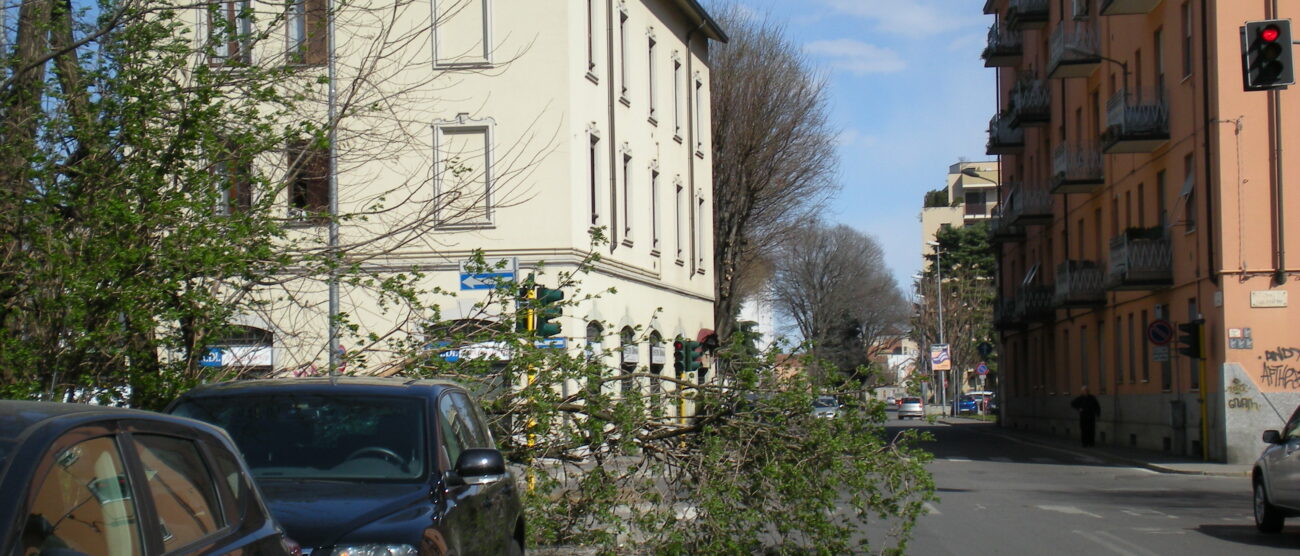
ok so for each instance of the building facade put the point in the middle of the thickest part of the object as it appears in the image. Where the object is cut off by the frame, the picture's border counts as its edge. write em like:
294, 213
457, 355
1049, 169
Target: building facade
1142, 192
510, 127
972, 197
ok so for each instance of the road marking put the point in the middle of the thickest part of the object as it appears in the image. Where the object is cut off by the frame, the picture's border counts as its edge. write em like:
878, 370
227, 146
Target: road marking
930, 509
1116, 544
1069, 510
1139, 512
958, 460
1001, 459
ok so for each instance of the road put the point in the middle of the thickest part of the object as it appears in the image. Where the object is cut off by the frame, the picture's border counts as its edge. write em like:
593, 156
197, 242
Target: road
1001, 495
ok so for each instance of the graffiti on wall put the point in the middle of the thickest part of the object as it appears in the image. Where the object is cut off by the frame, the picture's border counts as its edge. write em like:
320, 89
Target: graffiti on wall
1241, 398
1280, 368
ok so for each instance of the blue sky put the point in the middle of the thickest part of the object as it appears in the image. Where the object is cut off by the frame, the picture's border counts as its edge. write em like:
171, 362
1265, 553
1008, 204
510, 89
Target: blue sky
909, 95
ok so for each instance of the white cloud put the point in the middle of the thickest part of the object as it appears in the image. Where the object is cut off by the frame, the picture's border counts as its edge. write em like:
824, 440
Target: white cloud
856, 56
907, 17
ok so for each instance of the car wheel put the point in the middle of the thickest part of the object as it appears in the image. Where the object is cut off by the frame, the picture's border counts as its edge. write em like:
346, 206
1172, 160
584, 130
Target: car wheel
1268, 519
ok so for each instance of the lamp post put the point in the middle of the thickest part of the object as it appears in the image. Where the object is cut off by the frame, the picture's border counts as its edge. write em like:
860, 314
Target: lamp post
938, 302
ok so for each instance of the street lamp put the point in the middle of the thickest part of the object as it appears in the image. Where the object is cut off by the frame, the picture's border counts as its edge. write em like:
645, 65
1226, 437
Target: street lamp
938, 302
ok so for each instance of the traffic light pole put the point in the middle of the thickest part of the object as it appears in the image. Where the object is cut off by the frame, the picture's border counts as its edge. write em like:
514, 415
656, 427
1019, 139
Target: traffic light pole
1205, 417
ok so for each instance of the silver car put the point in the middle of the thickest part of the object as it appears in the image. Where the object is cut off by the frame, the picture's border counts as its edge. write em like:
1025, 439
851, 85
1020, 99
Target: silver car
1276, 477
826, 407
911, 407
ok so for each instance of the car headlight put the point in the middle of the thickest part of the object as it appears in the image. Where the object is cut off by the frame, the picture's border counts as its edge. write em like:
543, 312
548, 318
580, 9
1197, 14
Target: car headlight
374, 550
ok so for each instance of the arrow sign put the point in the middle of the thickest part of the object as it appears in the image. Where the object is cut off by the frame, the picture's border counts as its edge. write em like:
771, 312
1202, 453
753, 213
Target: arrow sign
484, 280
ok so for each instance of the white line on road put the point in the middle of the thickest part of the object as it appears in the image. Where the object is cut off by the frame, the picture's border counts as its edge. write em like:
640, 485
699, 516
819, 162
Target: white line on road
930, 509
958, 460
1115, 544
1069, 510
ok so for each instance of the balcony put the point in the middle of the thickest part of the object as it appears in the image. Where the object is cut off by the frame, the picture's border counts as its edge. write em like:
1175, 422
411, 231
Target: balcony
1031, 102
1027, 14
1002, 230
1079, 285
1034, 304
1005, 48
1135, 124
1077, 169
1028, 206
1140, 259
1128, 7
1004, 310
1003, 138
1074, 52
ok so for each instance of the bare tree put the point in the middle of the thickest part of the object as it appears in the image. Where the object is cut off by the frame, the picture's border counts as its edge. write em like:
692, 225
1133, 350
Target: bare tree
833, 283
773, 152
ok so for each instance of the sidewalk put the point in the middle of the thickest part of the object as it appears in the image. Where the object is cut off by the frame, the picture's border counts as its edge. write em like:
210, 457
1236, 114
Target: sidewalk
1155, 461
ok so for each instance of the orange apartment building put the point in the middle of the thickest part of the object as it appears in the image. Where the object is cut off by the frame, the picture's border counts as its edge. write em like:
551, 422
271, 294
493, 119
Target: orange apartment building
1141, 183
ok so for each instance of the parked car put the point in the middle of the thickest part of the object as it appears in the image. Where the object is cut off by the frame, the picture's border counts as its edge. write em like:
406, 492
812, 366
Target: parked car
1275, 477
969, 404
354, 465
85, 479
911, 407
891, 401
826, 407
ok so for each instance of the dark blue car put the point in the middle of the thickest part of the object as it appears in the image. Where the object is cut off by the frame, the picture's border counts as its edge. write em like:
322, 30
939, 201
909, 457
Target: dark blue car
358, 466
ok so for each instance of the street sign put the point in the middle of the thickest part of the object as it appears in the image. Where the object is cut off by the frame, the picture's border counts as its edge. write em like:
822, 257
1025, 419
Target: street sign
982, 369
984, 349
1160, 332
551, 343
501, 269
1160, 354
940, 360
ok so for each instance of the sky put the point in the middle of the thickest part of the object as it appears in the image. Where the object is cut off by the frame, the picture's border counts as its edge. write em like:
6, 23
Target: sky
909, 96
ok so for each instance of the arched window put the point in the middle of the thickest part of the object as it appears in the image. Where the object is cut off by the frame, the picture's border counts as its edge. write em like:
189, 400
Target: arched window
629, 356
657, 358
595, 332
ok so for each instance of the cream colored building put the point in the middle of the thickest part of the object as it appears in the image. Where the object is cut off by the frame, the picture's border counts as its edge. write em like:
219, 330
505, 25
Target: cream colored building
972, 197
511, 126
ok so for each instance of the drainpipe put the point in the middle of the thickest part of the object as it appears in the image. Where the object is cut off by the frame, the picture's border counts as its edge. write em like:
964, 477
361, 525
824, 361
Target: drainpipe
613, 147
1209, 161
1279, 217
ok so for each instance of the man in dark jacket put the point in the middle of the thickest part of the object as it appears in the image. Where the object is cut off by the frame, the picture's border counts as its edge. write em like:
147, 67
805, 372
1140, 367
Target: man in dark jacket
1089, 409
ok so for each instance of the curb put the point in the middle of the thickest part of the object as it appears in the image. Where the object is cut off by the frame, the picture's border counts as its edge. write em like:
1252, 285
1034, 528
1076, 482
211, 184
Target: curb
1157, 467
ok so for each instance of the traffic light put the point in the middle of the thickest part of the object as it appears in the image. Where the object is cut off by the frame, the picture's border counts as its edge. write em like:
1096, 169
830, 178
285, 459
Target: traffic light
679, 356
1189, 338
1266, 54
693, 353
547, 311
524, 304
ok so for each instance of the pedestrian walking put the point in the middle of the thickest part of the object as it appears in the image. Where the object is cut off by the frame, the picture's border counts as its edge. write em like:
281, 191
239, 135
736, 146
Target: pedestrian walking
1089, 409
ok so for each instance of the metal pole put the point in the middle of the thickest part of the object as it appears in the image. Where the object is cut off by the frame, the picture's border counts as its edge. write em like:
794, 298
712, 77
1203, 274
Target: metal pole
334, 204
938, 300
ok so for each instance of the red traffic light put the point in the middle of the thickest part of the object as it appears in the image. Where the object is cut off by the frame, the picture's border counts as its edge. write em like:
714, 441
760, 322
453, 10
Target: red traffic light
678, 345
1270, 33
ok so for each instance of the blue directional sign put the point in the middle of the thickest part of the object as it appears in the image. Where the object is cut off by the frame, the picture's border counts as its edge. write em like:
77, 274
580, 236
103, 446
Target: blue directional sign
212, 358
552, 343
494, 272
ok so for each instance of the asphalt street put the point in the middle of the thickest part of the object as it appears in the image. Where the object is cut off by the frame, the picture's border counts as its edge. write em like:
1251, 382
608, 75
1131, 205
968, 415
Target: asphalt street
1004, 495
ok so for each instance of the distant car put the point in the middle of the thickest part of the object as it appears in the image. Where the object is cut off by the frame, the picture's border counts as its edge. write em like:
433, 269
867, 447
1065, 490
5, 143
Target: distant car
968, 404
1276, 477
891, 401
911, 407
826, 407
85, 479
353, 465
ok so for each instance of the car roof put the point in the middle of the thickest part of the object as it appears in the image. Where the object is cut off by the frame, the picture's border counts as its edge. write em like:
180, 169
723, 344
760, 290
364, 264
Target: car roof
17, 416
338, 384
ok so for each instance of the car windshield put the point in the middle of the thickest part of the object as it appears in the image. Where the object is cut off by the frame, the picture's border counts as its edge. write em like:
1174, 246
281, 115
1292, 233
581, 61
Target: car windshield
825, 401
911, 400
353, 437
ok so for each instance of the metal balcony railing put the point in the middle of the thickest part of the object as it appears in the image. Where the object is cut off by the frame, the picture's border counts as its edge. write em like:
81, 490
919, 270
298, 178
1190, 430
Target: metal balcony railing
1027, 14
1004, 314
1003, 138
1077, 168
1005, 47
1140, 259
1001, 230
1074, 51
1134, 123
1079, 284
1028, 206
1128, 7
1031, 102
1034, 303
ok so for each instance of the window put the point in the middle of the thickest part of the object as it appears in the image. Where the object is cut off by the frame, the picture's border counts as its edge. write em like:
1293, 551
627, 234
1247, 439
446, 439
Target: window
1159, 62
595, 333
651, 82
463, 174
1132, 355
1189, 194
699, 116
1193, 313
1136, 93
1083, 355
180, 486
654, 211
1146, 350
461, 32
629, 357
1161, 217
657, 359
230, 31
591, 37
622, 55
593, 179
309, 182
455, 438
1128, 209
1187, 39
626, 203
1119, 351
308, 32
89, 482
1142, 206
1065, 363
679, 204
236, 180
677, 100
700, 224
1101, 355
976, 203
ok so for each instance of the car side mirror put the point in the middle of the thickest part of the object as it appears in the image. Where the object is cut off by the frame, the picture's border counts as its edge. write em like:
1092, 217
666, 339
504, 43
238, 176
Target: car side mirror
480, 466
1272, 437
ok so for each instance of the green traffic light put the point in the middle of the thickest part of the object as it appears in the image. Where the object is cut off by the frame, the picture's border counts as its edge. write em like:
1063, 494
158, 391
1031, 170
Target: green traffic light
545, 299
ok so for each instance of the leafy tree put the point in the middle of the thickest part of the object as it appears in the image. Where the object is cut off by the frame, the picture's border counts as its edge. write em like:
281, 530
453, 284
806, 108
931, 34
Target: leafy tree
936, 198
967, 267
